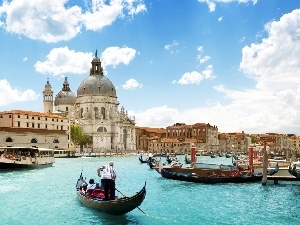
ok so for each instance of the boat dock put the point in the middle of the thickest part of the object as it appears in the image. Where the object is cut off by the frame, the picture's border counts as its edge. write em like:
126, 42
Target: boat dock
283, 178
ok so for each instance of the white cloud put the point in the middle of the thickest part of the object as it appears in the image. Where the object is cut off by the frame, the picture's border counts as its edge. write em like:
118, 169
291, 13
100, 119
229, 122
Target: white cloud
53, 21
48, 21
132, 84
172, 47
220, 18
273, 104
62, 60
199, 56
158, 116
212, 3
25, 59
196, 77
204, 59
10, 95
112, 56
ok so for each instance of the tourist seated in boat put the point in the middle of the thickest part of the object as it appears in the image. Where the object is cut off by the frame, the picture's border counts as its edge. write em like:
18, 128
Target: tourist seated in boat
91, 185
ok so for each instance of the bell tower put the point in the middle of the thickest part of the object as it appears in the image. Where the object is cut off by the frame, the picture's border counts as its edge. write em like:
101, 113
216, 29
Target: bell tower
48, 98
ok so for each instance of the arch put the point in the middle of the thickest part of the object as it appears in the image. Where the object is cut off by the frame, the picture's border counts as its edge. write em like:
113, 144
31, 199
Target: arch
9, 139
103, 112
96, 110
125, 138
55, 141
33, 140
102, 130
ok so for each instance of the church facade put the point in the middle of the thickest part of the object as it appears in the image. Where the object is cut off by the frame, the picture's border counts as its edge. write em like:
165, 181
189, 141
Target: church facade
95, 108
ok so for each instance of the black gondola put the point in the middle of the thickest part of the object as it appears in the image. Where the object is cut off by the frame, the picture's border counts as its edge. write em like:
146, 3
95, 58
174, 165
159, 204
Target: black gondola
192, 177
119, 206
187, 160
143, 160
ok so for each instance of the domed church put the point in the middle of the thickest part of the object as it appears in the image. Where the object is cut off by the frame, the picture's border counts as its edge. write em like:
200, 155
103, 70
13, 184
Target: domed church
95, 108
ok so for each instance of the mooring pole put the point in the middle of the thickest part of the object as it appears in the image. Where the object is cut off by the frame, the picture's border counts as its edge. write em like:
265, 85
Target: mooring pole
265, 165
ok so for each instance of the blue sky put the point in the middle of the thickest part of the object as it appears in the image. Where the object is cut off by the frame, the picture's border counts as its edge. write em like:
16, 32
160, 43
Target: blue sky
231, 63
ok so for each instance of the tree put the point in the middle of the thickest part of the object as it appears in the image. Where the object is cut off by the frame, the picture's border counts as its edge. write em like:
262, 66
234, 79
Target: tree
78, 137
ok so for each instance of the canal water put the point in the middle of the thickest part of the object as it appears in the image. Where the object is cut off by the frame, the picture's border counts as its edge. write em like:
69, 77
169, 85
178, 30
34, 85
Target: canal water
47, 196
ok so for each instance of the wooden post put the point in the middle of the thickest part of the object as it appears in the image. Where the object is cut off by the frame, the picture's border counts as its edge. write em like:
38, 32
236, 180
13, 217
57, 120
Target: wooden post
251, 158
193, 154
265, 165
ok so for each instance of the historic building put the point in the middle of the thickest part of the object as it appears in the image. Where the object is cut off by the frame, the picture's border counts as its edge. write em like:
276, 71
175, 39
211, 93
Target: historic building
95, 108
33, 129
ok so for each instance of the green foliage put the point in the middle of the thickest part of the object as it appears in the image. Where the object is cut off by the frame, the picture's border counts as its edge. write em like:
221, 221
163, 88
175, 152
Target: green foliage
78, 137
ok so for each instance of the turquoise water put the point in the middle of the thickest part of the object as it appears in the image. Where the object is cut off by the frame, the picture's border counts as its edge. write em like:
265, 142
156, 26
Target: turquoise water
47, 196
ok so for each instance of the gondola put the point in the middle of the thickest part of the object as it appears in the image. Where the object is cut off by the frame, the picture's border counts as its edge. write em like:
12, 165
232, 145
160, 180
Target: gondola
119, 206
192, 177
143, 160
187, 160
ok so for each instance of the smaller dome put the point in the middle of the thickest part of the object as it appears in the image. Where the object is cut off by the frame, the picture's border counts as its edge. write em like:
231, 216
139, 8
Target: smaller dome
65, 96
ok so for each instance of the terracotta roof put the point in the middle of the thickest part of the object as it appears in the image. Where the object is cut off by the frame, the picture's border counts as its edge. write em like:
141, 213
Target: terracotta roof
30, 130
169, 140
31, 113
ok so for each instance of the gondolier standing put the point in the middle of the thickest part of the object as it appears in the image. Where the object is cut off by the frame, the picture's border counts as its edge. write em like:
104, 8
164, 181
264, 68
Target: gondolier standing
108, 176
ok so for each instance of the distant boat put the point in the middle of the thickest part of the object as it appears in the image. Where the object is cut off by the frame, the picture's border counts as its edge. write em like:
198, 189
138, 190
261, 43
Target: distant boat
25, 157
88, 155
187, 160
66, 153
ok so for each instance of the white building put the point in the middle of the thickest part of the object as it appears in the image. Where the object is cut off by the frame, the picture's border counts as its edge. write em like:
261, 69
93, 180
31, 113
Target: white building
95, 108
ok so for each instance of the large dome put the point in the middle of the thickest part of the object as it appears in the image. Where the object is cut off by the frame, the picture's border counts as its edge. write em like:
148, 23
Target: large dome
97, 85
65, 96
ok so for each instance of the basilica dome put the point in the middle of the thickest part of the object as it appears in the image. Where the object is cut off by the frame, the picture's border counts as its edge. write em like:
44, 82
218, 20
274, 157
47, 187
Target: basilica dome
65, 96
96, 83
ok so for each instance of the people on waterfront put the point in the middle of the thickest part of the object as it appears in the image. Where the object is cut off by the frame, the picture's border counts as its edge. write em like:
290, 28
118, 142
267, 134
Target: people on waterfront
108, 177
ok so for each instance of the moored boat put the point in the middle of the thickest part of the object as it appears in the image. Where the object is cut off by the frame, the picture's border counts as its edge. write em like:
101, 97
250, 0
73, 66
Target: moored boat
119, 206
25, 157
235, 177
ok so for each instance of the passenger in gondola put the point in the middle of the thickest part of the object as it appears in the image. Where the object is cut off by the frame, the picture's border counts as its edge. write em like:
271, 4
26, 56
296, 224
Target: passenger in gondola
91, 184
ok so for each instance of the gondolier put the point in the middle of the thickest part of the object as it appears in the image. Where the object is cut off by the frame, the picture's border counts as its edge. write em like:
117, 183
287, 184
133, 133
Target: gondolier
108, 176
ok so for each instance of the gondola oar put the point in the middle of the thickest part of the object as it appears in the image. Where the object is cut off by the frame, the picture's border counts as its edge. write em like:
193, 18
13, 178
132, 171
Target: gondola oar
126, 196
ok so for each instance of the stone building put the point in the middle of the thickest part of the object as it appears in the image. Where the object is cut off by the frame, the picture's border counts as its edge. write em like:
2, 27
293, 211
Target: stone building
204, 136
95, 108
33, 129
234, 142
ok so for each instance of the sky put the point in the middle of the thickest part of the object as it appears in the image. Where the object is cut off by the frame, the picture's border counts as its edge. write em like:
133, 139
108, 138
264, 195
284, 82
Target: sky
234, 64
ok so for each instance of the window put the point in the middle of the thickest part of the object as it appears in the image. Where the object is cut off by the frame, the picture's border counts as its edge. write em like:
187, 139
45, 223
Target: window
18, 124
18, 116
39, 125
9, 116
32, 118
32, 125
27, 124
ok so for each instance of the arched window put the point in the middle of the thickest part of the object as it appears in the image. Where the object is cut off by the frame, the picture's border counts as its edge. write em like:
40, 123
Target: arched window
55, 141
103, 112
96, 110
33, 140
9, 139
102, 130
